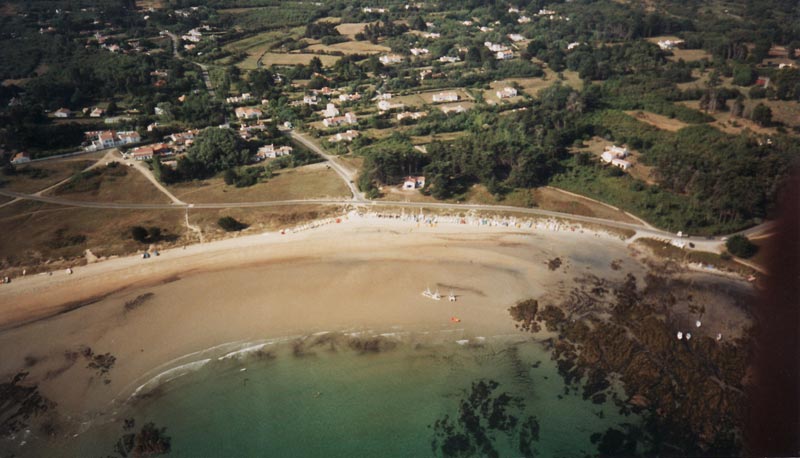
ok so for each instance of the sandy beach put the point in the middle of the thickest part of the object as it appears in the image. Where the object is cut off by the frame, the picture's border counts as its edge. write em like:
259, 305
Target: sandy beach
362, 274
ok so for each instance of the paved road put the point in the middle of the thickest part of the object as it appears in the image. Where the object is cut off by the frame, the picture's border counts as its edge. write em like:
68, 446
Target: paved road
349, 176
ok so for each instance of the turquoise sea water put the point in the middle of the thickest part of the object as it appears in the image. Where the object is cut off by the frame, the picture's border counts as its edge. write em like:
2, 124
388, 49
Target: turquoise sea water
334, 401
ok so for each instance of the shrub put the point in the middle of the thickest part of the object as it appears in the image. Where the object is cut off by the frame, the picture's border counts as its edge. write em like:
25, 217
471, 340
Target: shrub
230, 224
740, 246
139, 234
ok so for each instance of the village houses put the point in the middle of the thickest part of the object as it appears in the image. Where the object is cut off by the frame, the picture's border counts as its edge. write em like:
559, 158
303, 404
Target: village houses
385, 105
20, 158
145, 153
506, 93
110, 139
248, 113
504, 55
615, 156
330, 111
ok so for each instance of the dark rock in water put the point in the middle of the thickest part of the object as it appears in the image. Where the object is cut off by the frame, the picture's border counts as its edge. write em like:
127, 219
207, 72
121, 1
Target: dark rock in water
19, 404
524, 313
138, 301
371, 344
694, 393
554, 263
485, 417
536, 364
149, 441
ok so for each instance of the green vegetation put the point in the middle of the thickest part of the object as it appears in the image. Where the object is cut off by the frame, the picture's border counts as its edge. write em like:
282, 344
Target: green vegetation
144, 235
740, 246
229, 224
214, 150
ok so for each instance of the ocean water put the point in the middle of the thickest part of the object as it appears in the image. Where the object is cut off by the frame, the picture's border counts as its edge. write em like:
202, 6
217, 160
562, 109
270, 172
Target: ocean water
331, 400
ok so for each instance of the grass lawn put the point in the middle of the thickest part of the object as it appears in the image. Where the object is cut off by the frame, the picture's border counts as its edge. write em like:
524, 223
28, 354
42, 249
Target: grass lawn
307, 182
726, 123
273, 58
106, 184
352, 29
426, 98
36, 176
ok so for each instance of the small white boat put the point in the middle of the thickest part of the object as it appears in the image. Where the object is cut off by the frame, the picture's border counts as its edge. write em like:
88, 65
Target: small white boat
436, 296
680, 335
430, 295
698, 323
451, 297
719, 336
688, 336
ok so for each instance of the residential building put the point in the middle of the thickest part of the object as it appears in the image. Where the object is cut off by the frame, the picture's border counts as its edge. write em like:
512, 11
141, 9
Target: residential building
20, 158
419, 51
495, 47
348, 136
524, 19
126, 138
453, 109
515, 37
573, 45
412, 182
349, 97
248, 113
348, 118
330, 111
63, 113
445, 97
449, 59
513, 10
504, 55
271, 152
667, 45
432, 35
621, 163
411, 115
613, 153
506, 93
385, 105
310, 99
390, 59
97, 112
246, 97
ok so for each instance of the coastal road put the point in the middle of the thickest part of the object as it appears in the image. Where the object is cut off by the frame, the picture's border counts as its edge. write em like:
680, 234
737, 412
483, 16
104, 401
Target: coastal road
713, 244
348, 175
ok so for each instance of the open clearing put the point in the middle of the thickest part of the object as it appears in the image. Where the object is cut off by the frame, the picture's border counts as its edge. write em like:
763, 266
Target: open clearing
36, 232
726, 123
426, 98
308, 182
490, 95
352, 29
351, 47
596, 146
118, 184
36, 176
657, 120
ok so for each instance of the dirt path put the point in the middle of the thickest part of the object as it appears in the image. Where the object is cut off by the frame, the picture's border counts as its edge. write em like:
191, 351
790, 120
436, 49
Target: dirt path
149, 175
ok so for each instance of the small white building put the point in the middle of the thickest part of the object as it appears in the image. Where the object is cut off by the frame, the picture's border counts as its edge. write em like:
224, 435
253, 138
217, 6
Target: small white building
573, 45
97, 112
348, 136
504, 55
621, 163
63, 113
330, 111
453, 109
446, 97
419, 51
412, 182
449, 59
524, 19
411, 115
248, 113
385, 105
349, 118
271, 152
506, 93
390, 59
20, 158
310, 99
515, 37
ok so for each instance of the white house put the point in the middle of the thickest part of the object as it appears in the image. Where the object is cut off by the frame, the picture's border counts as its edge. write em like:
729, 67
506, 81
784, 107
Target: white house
411, 115
621, 163
495, 47
247, 113
97, 112
348, 136
515, 37
453, 109
524, 19
445, 97
126, 138
385, 105
449, 59
412, 182
432, 35
506, 93
330, 111
573, 45
63, 113
666, 45
545, 12
504, 55
310, 99
270, 152
390, 59
513, 10
348, 118
20, 158
419, 51
349, 97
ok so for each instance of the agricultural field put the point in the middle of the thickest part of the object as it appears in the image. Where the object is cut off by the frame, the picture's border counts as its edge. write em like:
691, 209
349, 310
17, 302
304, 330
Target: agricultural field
490, 95
307, 182
426, 98
350, 30
728, 124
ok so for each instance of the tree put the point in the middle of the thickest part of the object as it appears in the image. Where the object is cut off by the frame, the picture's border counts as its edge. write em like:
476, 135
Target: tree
230, 224
315, 66
139, 234
762, 115
740, 246
743, 75
418, 23
214, 150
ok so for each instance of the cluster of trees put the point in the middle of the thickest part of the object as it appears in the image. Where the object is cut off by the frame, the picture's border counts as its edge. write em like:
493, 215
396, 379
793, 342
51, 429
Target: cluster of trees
214, 150
375, 31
